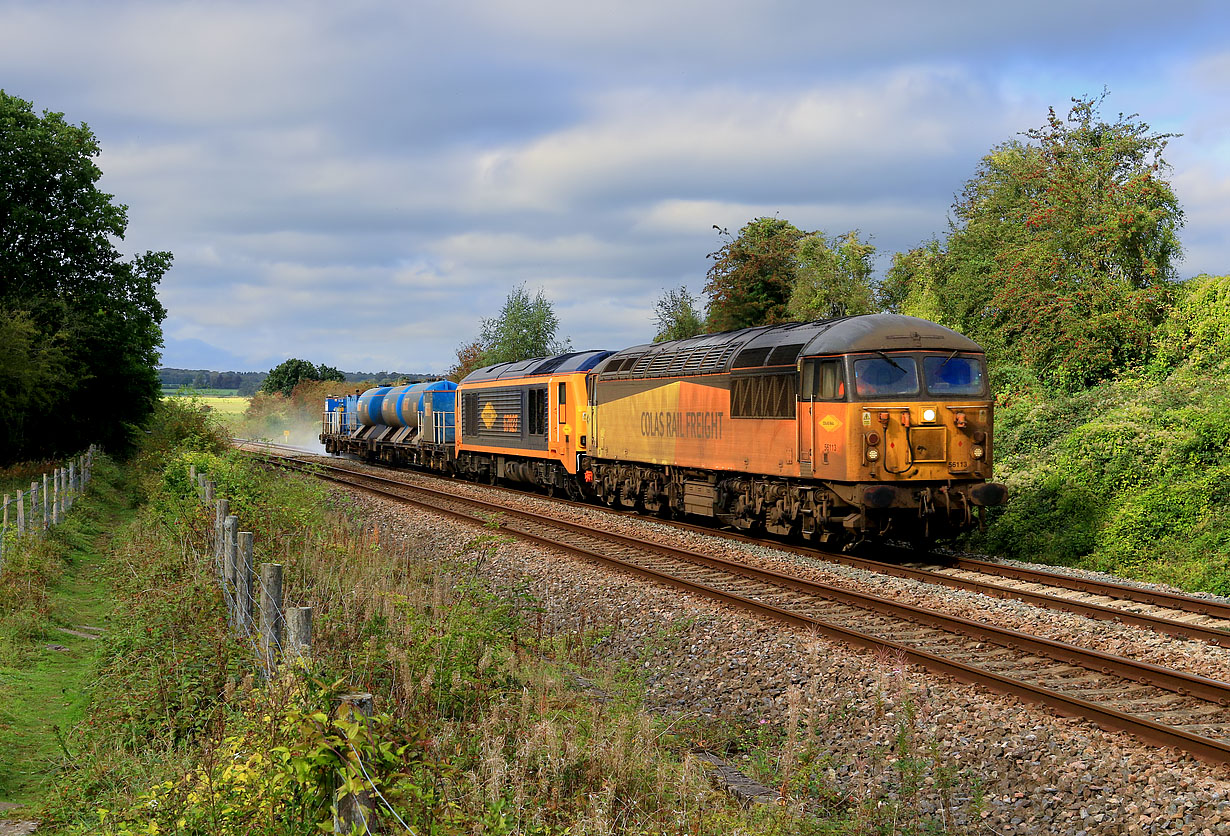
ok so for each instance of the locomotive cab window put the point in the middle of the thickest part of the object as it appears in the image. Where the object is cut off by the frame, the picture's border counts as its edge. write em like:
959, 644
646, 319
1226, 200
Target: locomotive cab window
824, 380
563, 401
885, 376
952, 374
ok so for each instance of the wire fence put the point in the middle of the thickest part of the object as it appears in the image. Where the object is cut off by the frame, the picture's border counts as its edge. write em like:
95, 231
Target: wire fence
34, 512
279, 635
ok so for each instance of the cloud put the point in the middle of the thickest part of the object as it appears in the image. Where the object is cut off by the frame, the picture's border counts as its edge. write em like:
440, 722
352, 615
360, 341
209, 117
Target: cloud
363, 183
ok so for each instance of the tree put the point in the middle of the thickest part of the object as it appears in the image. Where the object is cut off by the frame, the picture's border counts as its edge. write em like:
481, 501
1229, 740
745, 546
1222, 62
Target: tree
60, 273
677, 316
284, 377
469, 358
753, 275
833, 277
912, 285
329, 374
1063, 248
525, 327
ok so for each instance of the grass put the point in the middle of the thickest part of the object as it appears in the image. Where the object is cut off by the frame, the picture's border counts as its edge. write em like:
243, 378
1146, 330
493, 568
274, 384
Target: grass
53, 588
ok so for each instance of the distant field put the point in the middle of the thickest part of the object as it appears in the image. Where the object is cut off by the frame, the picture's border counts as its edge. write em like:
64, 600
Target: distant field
227, 405
173, 391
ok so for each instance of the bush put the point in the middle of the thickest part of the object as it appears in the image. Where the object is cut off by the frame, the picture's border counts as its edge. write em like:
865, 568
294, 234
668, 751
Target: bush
1130, 477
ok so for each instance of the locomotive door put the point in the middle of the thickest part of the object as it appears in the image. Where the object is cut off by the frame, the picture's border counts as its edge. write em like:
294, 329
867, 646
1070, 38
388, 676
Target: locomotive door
806, 417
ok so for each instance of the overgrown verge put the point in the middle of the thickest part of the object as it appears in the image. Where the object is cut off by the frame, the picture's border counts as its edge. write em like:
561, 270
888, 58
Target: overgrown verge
480, 726
1131, 476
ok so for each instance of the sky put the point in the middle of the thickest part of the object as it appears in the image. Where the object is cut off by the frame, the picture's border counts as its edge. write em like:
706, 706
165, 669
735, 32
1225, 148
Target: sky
360, 184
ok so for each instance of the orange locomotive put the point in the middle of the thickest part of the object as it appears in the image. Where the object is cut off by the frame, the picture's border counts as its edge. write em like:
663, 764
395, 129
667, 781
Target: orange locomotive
835, 430
526, 422
872, 425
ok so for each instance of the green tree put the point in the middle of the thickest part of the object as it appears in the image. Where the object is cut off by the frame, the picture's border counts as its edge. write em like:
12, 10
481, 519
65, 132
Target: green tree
95, 317
328, 373
677, 316
753, 275
833, 277
1063, 248
912, 285
284, 377
525, 327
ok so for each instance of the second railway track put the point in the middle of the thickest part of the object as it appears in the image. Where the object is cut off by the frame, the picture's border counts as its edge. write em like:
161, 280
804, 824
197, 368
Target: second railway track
1163, 706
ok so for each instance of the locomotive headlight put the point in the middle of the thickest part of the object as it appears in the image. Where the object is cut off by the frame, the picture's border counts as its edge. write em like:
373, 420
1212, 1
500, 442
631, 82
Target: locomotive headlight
928, 415
873, 454
978, 451
873, 439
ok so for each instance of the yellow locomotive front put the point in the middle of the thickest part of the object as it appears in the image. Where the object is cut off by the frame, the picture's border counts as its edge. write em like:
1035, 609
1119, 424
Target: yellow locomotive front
901, 438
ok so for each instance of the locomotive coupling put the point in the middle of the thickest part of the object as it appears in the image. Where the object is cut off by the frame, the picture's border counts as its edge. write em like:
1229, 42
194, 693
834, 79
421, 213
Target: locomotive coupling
988, 493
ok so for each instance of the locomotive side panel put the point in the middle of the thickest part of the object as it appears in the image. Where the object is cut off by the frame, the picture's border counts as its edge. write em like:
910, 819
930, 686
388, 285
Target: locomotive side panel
688, 423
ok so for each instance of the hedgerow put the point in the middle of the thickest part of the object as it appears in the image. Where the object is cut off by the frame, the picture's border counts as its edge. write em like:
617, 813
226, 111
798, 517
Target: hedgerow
1130, 476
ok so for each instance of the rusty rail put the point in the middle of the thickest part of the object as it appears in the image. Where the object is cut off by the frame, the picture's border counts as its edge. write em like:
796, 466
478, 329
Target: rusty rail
1178, 682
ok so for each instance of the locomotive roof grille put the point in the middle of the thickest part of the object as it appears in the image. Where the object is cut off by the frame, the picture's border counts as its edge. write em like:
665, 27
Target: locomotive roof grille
785, 355
782, 345
573, 361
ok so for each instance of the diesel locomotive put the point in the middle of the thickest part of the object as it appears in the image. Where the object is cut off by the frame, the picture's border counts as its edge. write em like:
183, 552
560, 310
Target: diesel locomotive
833, 431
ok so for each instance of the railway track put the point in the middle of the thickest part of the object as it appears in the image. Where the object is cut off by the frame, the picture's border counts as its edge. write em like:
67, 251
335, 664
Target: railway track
1175, 614
1162, 706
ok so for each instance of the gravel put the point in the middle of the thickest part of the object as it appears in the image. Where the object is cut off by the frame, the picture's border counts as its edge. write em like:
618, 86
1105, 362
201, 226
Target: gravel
989, 763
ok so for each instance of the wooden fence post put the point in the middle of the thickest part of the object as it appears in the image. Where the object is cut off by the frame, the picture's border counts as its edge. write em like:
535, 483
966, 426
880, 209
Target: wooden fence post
221, 510
21, 512
243, 584
46, 505
298, 631
209, 492
354, 810
72, 484
34, 507
271, 615
230, 556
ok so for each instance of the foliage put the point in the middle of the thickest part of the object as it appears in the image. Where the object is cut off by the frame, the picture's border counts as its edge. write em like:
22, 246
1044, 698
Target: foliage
1062, 252
469, 358
1197, 331
914, 283
1128, 477
677, 316
85, 324
525, 327
833, 278
753, 275
284, 377
299, 415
